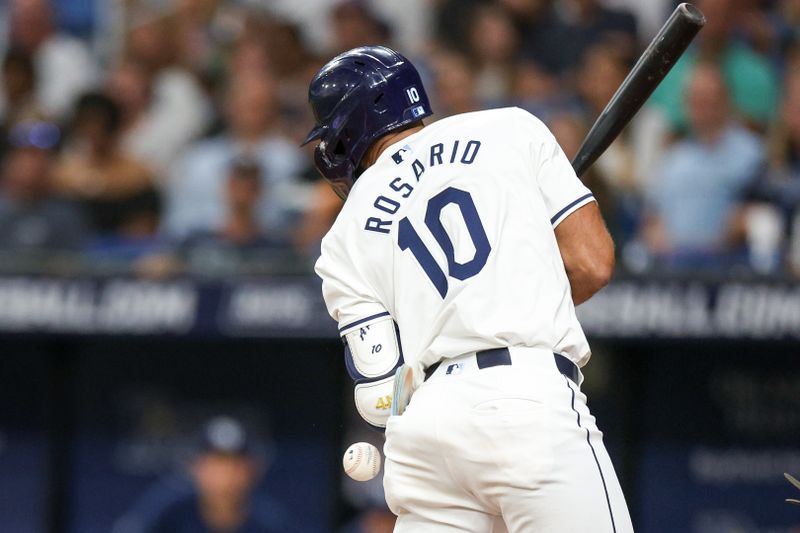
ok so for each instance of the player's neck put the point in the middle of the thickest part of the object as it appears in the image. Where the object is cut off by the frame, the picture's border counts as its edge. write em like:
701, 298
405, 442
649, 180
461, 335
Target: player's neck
382, 143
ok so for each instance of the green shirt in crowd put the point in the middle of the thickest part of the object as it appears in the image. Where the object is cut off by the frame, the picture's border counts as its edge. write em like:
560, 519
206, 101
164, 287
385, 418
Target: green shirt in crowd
751, 79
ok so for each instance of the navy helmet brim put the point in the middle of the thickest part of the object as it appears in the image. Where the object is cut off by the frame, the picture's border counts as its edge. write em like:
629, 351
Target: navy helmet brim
315, 133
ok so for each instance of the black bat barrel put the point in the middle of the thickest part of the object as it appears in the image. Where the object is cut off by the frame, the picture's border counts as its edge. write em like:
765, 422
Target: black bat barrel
655, 62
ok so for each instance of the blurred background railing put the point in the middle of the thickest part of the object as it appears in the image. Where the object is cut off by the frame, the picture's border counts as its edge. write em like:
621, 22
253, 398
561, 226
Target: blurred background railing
165, 356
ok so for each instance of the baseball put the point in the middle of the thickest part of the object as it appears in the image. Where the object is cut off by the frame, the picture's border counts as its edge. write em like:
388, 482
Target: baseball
362, 461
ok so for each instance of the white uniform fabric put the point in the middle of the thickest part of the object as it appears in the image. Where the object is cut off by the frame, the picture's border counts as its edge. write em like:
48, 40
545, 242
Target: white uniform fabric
450, 233
516, 442
521, 185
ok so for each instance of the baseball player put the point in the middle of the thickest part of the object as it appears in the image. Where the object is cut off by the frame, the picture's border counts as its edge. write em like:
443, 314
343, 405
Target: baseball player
461, 251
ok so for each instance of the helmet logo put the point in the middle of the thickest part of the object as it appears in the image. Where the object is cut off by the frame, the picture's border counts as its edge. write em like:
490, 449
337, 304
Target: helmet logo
413, 95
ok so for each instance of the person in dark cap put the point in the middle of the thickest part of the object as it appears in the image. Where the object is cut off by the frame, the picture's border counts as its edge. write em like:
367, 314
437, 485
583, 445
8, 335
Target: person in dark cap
224, 470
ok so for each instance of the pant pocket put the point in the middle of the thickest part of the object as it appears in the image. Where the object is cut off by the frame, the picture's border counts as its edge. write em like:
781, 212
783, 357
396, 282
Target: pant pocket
516, 435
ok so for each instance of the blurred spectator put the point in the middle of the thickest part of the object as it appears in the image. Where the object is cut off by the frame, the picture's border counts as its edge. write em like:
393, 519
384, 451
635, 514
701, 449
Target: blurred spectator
32, 217
130, 85
287, 52
756, 29
558, 37
267, 44
785, 22
650, 14
374, 519
695, 196
160, 115
454, 85
151, 38
452, 21
250, 53
540, 92
197, 35
602, 71
526, 11
323, 208
224, 471
18, 89
409, 22
240, 234
115, 190
560, 59
493, 42
355, 24
196, 198
165, 107
751, 78
780, 183
294, 67
243, 191
64, 67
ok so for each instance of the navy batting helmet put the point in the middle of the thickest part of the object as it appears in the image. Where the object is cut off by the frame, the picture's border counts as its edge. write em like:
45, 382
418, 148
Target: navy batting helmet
357, 97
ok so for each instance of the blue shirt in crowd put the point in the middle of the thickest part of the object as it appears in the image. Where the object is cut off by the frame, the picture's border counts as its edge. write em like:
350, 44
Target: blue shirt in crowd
698, 185
196, 192
171, 506
184, 517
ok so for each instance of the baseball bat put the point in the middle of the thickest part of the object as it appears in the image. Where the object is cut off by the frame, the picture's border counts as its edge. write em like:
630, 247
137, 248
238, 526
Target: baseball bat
655, 62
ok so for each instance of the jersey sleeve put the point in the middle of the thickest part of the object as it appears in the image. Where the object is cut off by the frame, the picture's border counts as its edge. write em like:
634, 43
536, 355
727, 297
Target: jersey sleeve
562, 190
349, 297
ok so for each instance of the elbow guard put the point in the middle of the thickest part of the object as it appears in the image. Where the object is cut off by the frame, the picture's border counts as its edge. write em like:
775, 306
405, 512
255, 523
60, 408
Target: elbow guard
372, 354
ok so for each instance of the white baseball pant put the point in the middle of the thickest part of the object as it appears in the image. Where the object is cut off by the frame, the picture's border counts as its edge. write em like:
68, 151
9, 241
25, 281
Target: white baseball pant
508, 448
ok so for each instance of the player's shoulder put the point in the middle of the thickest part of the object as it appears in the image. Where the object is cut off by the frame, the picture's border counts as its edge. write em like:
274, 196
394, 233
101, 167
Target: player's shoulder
501, 116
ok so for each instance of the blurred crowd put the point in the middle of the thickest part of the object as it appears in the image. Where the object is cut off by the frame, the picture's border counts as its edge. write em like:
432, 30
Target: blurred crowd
215, 493
164, 135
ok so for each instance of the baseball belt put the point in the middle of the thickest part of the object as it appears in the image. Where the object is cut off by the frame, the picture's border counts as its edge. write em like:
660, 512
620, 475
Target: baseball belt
501, 356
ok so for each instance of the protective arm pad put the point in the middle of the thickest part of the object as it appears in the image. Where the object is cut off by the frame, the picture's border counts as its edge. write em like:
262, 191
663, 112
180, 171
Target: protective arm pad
372, 354
374, 401
372, 350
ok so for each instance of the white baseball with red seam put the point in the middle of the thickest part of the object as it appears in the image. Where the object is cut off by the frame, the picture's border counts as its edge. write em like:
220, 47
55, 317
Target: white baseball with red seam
362, 461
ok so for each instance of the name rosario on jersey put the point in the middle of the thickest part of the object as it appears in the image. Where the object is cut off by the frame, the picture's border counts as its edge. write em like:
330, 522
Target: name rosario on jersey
460, 152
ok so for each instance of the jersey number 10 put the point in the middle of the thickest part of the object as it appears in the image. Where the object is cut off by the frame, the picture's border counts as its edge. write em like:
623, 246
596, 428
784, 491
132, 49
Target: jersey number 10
409, 239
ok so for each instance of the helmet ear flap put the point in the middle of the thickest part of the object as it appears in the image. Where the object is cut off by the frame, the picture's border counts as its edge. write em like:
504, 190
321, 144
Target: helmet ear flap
338, 173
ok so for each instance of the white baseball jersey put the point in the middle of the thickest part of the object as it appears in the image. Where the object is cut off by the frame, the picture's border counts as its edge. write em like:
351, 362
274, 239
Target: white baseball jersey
450, 232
